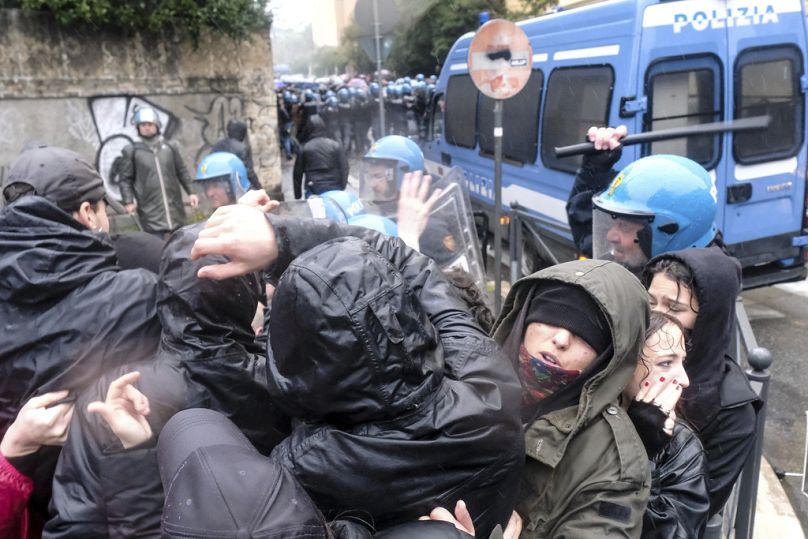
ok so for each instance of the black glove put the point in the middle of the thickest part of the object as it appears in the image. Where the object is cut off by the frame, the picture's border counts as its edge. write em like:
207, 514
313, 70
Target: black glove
649, 421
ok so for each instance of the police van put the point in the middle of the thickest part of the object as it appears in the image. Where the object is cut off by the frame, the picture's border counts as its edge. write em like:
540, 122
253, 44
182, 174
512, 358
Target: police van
651, 65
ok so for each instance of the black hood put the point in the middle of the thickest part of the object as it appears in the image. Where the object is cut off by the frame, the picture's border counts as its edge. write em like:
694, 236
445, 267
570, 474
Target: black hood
349, 346
46, 253
717, 284
237, 129
201, 316
314, 127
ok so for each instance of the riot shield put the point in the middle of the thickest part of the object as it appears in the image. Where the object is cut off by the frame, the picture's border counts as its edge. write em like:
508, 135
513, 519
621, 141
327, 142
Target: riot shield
450, 237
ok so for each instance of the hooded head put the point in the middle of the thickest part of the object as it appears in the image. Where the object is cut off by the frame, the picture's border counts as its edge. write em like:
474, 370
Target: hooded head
202, 314
236, 129
599, 301
350, 342
716, 284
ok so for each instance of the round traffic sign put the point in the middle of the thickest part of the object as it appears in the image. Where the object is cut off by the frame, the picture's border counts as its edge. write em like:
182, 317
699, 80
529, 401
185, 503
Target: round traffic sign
500, 59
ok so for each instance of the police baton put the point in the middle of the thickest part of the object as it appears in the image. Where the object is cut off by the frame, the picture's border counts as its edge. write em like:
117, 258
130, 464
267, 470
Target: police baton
744, 124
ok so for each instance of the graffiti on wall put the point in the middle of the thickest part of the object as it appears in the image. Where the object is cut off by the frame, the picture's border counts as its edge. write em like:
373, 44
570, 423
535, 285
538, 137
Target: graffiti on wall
213, 121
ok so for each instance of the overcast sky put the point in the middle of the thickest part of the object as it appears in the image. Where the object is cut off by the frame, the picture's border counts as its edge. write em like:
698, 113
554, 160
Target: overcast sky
291, 13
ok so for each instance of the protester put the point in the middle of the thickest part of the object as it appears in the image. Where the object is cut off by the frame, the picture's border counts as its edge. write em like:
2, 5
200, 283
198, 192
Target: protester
356, 346
321, 161
699, 287
575, 331
236, 142
207, 358
679, 503
152, 173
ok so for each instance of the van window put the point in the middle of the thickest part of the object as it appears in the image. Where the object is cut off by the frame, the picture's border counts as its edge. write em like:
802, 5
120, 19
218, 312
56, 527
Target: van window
577, 98
767, 82
682, 96
461, 111
520, 120
436, 129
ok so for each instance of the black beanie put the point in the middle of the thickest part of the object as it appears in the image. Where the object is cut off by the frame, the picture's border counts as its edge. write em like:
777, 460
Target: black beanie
571, 307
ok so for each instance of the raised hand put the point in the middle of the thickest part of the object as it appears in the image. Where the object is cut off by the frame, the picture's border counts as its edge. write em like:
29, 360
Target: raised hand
125, 410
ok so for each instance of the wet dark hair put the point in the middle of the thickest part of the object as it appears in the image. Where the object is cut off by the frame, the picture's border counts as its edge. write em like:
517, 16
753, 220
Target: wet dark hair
656, 323
470, 293
678, 272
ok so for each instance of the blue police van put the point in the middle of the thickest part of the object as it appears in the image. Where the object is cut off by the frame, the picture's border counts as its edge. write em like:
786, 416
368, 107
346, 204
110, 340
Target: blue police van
648, 64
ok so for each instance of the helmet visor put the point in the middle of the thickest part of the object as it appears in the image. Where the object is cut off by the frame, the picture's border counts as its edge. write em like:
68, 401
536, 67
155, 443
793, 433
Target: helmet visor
377, 180
218, 191
623, 238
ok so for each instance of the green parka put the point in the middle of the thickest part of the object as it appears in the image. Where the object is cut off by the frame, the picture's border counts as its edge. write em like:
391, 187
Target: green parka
587, 472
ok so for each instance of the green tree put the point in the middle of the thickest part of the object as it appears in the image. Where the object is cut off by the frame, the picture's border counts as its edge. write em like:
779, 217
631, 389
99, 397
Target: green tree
234, 18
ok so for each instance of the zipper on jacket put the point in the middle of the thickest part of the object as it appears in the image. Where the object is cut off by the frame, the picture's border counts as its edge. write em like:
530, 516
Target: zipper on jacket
156, 154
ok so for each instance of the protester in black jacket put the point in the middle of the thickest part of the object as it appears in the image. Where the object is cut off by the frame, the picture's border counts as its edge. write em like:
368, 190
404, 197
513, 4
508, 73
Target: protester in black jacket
699, 287
236, 143
403, 402
207, 359
68, 311
321, 160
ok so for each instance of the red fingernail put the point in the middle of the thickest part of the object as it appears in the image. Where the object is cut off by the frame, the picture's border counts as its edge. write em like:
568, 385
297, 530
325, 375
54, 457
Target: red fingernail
661, 378
675, 381
646, 384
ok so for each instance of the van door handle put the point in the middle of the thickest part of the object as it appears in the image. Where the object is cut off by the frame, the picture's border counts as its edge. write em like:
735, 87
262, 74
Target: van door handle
446, 158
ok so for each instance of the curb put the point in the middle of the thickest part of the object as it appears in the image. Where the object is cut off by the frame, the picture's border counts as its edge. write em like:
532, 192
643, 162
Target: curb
774, 516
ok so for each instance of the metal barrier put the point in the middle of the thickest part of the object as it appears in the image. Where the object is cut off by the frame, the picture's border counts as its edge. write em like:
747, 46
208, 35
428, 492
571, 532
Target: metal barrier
738, 516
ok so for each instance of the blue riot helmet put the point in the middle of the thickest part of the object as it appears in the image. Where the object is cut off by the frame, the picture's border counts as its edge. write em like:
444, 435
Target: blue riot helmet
406, 89
394, 91
330, 93
384, 165
657, 204
324, 208
375, 222
223, 178
430, 89
293, 99
344, 95
309, 97
374, 89
287, 96
331, 102
147, 115
433, 79
349, 203
407, 80
419, 77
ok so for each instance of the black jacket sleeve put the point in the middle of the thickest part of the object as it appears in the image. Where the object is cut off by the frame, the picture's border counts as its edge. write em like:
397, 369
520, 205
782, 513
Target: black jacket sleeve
127, 174
593, 176
649, 421
679, 502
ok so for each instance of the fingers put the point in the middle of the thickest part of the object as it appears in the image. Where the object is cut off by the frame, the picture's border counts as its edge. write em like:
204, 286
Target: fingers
218, 272
42, 401
118, 386
668, 397
270, 206
464, 517
439, 513
138, 400
514, 527
209, 246
592, 133
423, 188
433, 199
101, 408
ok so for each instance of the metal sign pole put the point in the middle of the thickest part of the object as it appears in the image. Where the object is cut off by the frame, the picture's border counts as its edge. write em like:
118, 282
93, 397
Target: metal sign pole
497, 205
378, 39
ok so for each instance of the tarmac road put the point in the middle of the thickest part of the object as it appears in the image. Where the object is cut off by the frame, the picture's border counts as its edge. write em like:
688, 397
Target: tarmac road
779, 318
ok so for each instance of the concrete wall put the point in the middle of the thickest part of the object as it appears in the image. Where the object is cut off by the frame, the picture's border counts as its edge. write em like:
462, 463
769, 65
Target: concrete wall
79, 89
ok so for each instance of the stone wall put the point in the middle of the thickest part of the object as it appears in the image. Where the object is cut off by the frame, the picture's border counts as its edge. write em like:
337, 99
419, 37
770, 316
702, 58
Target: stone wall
80, 89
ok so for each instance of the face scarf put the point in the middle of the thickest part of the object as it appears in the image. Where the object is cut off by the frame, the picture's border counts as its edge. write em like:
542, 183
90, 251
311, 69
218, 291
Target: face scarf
540, 378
